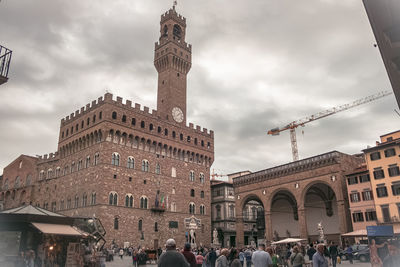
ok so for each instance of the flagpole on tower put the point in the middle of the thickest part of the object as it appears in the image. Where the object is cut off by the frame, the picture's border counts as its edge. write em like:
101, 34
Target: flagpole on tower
175, 4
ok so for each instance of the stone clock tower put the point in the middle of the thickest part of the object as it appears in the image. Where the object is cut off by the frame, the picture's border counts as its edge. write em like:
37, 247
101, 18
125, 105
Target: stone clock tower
172, 59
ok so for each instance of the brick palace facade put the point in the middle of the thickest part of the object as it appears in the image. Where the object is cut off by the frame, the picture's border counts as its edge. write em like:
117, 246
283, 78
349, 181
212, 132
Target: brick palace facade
144, 173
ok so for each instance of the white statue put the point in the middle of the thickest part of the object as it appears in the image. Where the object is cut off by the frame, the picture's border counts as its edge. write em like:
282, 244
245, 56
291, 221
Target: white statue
192, 237
321, 232
215, 236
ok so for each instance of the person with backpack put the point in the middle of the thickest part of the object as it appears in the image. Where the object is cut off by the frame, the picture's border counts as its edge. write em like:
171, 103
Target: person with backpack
222, 260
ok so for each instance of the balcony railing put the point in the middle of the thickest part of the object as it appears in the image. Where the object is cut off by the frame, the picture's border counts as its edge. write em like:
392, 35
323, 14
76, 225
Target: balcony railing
5, 59
390, 220
157, 208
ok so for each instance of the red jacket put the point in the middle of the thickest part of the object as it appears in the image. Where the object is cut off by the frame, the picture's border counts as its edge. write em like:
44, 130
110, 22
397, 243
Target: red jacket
189, 256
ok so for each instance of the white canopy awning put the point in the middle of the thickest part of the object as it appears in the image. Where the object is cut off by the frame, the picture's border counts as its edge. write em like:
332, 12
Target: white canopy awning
56, 229
287, 240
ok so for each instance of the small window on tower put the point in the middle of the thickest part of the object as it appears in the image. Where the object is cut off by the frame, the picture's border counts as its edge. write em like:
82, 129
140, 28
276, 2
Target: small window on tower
165, 31
133, 122
142, 124
123, 118
114, 115
177, 74
151, 127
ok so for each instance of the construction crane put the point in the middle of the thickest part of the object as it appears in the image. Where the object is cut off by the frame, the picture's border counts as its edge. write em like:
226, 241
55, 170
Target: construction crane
293, 125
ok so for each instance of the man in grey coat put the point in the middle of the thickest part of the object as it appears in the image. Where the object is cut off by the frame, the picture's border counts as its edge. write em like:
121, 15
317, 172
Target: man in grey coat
171, 257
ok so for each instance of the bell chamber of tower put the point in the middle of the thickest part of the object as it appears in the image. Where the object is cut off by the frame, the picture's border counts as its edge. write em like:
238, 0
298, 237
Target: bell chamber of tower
172, 59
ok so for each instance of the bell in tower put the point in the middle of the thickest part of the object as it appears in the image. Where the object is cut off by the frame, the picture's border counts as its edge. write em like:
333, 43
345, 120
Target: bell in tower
172, 59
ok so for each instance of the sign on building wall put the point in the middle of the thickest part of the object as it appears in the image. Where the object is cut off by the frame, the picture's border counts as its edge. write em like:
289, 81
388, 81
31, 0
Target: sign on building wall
382, 230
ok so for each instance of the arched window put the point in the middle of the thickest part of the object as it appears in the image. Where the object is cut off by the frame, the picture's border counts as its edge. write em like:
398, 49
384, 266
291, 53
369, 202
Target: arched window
181, 137
158, 168
133, 122
113, 199
49, 173
84, 200
5, 184
93, 199
151, 127
155, 227
173, 134
191, 176
58, 172
202, 194
140, 225
115, 159
166, 132
41, 175
76, 204
17, 182
116, 223
87, 163
114, 115
145, 165
201, 177
192, 208
159, 129
173, 190
80, 165
143, 202
142, 124
131, 163
28, 180
173, 206
192, 192
123, 118
129, 200
202, 209
96, 159
72, 167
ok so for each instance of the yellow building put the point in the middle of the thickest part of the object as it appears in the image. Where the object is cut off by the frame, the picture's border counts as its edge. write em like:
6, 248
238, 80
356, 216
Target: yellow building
383, 161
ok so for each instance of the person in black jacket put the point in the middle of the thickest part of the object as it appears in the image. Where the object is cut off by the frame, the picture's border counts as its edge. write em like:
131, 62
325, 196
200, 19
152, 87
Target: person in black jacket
311, 251
333, 252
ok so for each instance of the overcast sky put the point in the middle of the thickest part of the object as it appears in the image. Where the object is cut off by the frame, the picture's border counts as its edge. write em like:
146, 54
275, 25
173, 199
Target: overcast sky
256, 65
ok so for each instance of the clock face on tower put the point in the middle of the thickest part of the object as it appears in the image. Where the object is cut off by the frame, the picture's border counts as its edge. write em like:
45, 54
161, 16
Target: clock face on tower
177, 114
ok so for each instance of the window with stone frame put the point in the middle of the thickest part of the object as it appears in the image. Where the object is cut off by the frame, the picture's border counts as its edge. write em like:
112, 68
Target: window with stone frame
41, 175
87, 163
80, 165
393, 170
140, 225
191, 176
218, 212
352, 180
358, 217
129, 200
66, 168
192, 192
381, 191
364, 178
93, 199
69, 203
202, 210
113, 199
96, 159
158, 168
131, 163
28, 180
378, 173
114, 115
155, 227
143, 202
385, 213
61, 204
390, 152
355, 197
375, 155
370, 216
76, 203
49, 173
367, 195
396, 189
58, 172
72, 167
202, 194
173, 207
84, 200
201, 177
115, 159
192, 208
145, 165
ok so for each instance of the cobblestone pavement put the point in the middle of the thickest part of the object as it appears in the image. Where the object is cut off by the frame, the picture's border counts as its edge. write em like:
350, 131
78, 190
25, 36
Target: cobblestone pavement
126, 262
